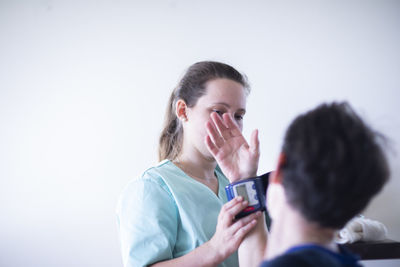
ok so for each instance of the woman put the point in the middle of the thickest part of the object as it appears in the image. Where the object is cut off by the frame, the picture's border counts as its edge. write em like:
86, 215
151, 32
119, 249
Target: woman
175, 214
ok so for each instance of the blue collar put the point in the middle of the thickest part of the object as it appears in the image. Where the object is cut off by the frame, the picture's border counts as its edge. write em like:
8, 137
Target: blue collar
345, 257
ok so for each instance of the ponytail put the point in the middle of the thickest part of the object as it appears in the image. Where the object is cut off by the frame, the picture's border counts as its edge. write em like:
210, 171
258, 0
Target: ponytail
170, 142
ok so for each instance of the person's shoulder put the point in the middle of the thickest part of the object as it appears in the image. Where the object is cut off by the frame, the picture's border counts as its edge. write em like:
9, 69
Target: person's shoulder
154, 174
286, 260
160, 171
149, 180
148, 190
311, 257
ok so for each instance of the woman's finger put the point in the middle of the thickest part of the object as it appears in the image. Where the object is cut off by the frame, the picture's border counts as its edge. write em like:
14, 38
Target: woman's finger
232, 126
220, 125
243, 222
212, 132
242, 232
211, 147
254, 142
228, 211
228, 205
238, 207
243, 227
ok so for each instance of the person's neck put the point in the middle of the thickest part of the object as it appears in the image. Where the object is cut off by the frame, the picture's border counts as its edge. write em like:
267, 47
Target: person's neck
196, 165
291, 229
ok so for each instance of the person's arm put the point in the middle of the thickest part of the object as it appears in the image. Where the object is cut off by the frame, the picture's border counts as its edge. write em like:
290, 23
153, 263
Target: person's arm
226, 240
253, 247
238, 160
147, 222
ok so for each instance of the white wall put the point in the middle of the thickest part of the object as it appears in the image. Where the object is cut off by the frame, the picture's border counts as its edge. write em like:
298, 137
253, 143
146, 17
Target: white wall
84, 84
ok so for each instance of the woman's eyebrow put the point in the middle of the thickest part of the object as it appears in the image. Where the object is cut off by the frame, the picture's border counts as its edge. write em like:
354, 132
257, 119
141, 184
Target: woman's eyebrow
228, 106
222, 103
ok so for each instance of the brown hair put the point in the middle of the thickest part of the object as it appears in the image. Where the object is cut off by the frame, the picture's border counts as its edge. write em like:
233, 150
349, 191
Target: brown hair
190, 88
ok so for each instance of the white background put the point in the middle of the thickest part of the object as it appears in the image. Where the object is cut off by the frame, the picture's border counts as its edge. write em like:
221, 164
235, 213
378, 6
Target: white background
84, 87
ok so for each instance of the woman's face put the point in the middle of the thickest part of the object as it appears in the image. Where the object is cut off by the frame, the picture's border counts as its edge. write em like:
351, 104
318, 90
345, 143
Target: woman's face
221, 96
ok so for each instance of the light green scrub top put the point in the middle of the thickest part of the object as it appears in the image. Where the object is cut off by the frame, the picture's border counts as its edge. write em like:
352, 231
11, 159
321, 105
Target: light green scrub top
166, 214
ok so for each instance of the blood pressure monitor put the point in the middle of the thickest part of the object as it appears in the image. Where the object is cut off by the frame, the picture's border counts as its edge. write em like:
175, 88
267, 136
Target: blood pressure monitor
253, 190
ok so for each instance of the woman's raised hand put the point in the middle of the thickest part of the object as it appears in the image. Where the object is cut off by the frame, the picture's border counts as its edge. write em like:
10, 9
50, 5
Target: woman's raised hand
230, 232
236, 158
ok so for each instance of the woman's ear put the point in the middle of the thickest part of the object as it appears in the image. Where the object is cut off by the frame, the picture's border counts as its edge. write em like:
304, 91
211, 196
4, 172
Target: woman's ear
180, 110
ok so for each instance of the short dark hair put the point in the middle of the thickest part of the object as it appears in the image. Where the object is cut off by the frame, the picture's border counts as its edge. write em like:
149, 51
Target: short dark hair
334, 164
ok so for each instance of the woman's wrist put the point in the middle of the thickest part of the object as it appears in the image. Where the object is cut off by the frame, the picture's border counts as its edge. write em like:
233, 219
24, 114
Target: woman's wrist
215, 254
248, 174
241, 176
205, 255
251, 174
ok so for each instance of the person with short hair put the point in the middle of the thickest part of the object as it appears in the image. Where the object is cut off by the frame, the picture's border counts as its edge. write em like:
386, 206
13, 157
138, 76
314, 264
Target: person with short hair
330, 166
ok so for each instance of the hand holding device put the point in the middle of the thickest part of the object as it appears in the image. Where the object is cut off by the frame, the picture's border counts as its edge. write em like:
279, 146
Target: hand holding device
253, 190
230, 232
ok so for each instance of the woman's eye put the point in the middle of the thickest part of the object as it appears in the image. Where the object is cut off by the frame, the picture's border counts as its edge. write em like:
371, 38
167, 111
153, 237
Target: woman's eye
239, 117
218, 112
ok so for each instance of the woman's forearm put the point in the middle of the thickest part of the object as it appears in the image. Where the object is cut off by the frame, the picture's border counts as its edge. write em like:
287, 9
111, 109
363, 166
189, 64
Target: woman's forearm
203, 256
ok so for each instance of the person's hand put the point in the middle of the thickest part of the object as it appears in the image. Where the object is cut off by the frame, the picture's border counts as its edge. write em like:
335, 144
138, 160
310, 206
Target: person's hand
230, 232
236, 158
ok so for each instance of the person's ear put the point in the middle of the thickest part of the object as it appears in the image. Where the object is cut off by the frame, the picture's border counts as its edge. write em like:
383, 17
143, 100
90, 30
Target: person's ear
276, 176
181, 110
